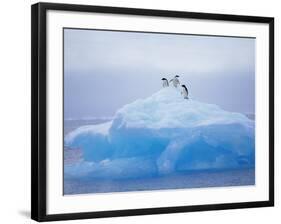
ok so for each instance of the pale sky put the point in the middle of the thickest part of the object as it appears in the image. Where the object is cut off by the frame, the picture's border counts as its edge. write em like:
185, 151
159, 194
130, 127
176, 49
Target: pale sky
103, 70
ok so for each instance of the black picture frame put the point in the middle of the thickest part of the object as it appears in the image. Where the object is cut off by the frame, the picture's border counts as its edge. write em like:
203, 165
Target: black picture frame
39, 122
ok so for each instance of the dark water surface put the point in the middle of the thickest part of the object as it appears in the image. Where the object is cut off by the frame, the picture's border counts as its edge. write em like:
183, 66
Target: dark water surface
177, 181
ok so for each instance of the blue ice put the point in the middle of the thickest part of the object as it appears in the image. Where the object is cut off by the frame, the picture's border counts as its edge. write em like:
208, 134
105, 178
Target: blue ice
163, 134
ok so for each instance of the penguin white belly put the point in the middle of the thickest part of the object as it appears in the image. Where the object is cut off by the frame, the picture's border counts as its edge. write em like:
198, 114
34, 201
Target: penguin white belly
176, 82
185, 94
165, 83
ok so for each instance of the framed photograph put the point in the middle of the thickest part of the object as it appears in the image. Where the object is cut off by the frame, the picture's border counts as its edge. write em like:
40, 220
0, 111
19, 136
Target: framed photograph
140, 111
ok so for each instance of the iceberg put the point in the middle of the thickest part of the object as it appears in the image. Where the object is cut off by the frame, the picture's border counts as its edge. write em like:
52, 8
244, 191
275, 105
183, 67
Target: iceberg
163, 134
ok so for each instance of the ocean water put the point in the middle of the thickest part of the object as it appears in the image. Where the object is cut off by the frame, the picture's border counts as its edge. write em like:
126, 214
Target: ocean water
200, 179
196, 179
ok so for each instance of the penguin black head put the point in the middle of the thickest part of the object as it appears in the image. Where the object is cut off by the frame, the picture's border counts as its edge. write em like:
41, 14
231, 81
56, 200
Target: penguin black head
183, 86
177, 76
163, 79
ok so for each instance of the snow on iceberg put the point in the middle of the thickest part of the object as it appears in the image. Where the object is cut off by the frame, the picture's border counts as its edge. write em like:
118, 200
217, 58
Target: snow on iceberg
163, 134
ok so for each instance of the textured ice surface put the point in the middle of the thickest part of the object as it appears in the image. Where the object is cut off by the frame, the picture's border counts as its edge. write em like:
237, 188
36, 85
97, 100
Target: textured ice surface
163, 134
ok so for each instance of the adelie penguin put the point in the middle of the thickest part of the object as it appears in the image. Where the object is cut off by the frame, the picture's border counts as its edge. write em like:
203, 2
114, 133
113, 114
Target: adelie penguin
175, 81
184, 92
165, 82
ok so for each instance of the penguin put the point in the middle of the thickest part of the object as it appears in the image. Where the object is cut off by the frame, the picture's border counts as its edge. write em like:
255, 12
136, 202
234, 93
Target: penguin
184, 92
175, 81
165, 82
